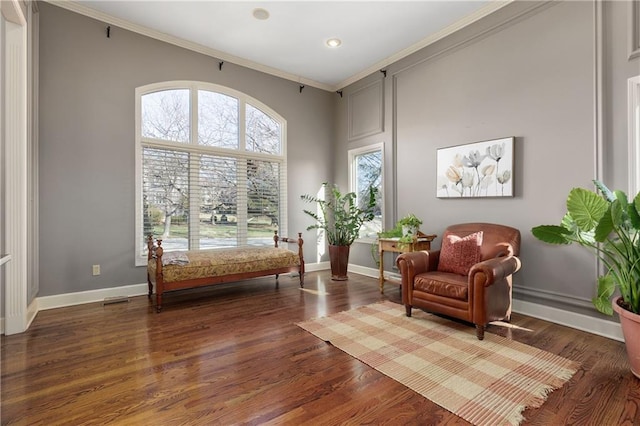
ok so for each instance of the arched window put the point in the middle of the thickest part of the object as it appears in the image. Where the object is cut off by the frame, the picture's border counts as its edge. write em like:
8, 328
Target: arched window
210, 168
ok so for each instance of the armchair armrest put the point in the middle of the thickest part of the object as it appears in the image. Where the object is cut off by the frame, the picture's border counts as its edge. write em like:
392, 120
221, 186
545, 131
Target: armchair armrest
490, 288
417, 262
495, 269
413, 263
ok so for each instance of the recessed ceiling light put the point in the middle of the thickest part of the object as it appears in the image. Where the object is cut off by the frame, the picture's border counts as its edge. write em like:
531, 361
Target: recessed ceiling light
260, 13
334, 42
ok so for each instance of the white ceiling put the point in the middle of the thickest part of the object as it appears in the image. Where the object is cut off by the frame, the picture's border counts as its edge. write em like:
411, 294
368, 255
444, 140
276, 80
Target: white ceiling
291, 42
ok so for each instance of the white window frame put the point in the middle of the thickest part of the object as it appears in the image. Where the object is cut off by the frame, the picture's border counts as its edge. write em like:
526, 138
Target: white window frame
352, 154
240, 152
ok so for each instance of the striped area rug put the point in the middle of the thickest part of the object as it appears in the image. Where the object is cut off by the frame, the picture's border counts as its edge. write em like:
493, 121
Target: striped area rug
488, 382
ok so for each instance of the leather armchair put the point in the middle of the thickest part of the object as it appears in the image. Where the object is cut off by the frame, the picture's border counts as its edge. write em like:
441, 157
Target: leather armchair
479, 297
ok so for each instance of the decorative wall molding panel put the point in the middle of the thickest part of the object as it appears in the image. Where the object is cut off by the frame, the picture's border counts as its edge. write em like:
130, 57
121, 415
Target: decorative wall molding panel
366, 110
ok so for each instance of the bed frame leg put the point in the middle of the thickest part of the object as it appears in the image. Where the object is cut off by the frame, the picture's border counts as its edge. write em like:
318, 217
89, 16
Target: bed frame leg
150, 287
158, 302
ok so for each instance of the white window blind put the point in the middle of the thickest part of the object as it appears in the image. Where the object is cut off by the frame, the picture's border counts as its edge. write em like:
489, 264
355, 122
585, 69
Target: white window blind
210, 169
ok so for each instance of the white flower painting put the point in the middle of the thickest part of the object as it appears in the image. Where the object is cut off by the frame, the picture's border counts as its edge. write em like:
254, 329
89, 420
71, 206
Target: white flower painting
480, 169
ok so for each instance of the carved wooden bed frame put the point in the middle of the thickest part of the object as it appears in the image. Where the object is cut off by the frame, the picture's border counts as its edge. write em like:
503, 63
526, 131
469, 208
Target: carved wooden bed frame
156, 251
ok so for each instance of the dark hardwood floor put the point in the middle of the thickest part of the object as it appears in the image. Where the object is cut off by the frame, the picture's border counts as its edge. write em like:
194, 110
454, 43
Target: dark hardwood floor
232, 354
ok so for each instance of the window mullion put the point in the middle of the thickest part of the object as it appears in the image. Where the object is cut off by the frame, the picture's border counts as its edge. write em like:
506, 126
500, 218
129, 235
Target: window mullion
242, 201
242, 123
194, 177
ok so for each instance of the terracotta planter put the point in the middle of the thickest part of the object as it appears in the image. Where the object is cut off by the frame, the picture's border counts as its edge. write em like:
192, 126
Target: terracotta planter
630, 323
339, 258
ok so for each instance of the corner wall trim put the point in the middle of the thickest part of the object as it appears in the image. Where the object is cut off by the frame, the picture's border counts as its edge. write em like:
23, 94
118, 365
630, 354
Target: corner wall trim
634, 29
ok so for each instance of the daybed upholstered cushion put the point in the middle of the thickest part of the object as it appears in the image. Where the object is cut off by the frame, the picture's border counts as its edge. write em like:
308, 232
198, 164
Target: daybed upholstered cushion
458, 254
220, 262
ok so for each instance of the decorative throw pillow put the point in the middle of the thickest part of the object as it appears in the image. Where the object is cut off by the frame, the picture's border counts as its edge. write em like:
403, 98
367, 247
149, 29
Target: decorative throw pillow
458, 254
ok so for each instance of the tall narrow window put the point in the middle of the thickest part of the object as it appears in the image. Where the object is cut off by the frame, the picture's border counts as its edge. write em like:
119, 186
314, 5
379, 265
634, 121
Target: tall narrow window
210, 168
366, 170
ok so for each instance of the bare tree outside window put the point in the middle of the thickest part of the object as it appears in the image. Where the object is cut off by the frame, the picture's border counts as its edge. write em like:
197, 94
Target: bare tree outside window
166, 187
218, 197
165, 115
217, 120
263, 189
367, 171
263, 132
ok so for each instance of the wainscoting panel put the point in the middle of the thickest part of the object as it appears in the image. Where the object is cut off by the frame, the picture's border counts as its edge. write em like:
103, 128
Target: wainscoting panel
366, 111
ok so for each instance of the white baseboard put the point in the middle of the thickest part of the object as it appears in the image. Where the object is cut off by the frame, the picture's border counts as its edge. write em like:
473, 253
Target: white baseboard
90, 296
318, 266
598, 326
363, 270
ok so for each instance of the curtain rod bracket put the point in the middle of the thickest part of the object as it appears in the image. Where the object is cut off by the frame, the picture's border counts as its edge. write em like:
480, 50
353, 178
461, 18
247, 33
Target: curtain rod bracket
220, 64
109, 31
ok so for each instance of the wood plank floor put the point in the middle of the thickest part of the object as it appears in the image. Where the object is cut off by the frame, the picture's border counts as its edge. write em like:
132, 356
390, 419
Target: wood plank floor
232, 354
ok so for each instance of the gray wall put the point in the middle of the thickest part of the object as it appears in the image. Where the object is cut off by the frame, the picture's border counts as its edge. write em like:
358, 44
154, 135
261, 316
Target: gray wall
87, 169
527, 71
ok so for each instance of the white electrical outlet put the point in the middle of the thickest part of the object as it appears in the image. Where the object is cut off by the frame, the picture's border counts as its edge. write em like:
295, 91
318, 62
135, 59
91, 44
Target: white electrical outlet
96, 270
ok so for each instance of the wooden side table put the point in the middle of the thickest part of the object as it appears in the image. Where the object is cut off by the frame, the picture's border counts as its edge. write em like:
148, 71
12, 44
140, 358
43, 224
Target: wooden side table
421, 242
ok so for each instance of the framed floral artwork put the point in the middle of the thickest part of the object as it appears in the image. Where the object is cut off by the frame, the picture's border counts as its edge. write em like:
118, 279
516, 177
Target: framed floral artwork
479, 169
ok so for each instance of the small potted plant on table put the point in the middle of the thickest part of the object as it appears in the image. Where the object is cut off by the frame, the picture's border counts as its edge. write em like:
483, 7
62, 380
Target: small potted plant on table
410, 225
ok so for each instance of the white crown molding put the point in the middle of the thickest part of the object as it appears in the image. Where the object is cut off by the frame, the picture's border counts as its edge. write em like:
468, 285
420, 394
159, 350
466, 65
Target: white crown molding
456, 26
177, 41
158, 35
14, 11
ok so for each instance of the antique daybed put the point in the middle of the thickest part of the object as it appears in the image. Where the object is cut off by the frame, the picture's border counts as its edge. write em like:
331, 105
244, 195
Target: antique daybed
196, 268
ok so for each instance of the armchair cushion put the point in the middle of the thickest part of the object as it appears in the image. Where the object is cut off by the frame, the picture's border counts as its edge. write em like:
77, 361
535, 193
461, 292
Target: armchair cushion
448, 285
459, 254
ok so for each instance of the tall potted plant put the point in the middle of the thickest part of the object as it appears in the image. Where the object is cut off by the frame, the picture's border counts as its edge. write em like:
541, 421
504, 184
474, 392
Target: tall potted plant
609, 224
340, 216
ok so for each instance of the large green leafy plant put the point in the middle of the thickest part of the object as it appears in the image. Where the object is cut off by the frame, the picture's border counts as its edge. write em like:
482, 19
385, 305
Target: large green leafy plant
609, 224
340, 215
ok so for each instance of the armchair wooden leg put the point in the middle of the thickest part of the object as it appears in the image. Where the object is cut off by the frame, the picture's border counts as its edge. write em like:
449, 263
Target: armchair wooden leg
480, 331
408, 309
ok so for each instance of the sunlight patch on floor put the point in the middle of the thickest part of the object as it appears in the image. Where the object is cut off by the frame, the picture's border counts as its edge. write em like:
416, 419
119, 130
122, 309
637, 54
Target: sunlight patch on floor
510, 326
